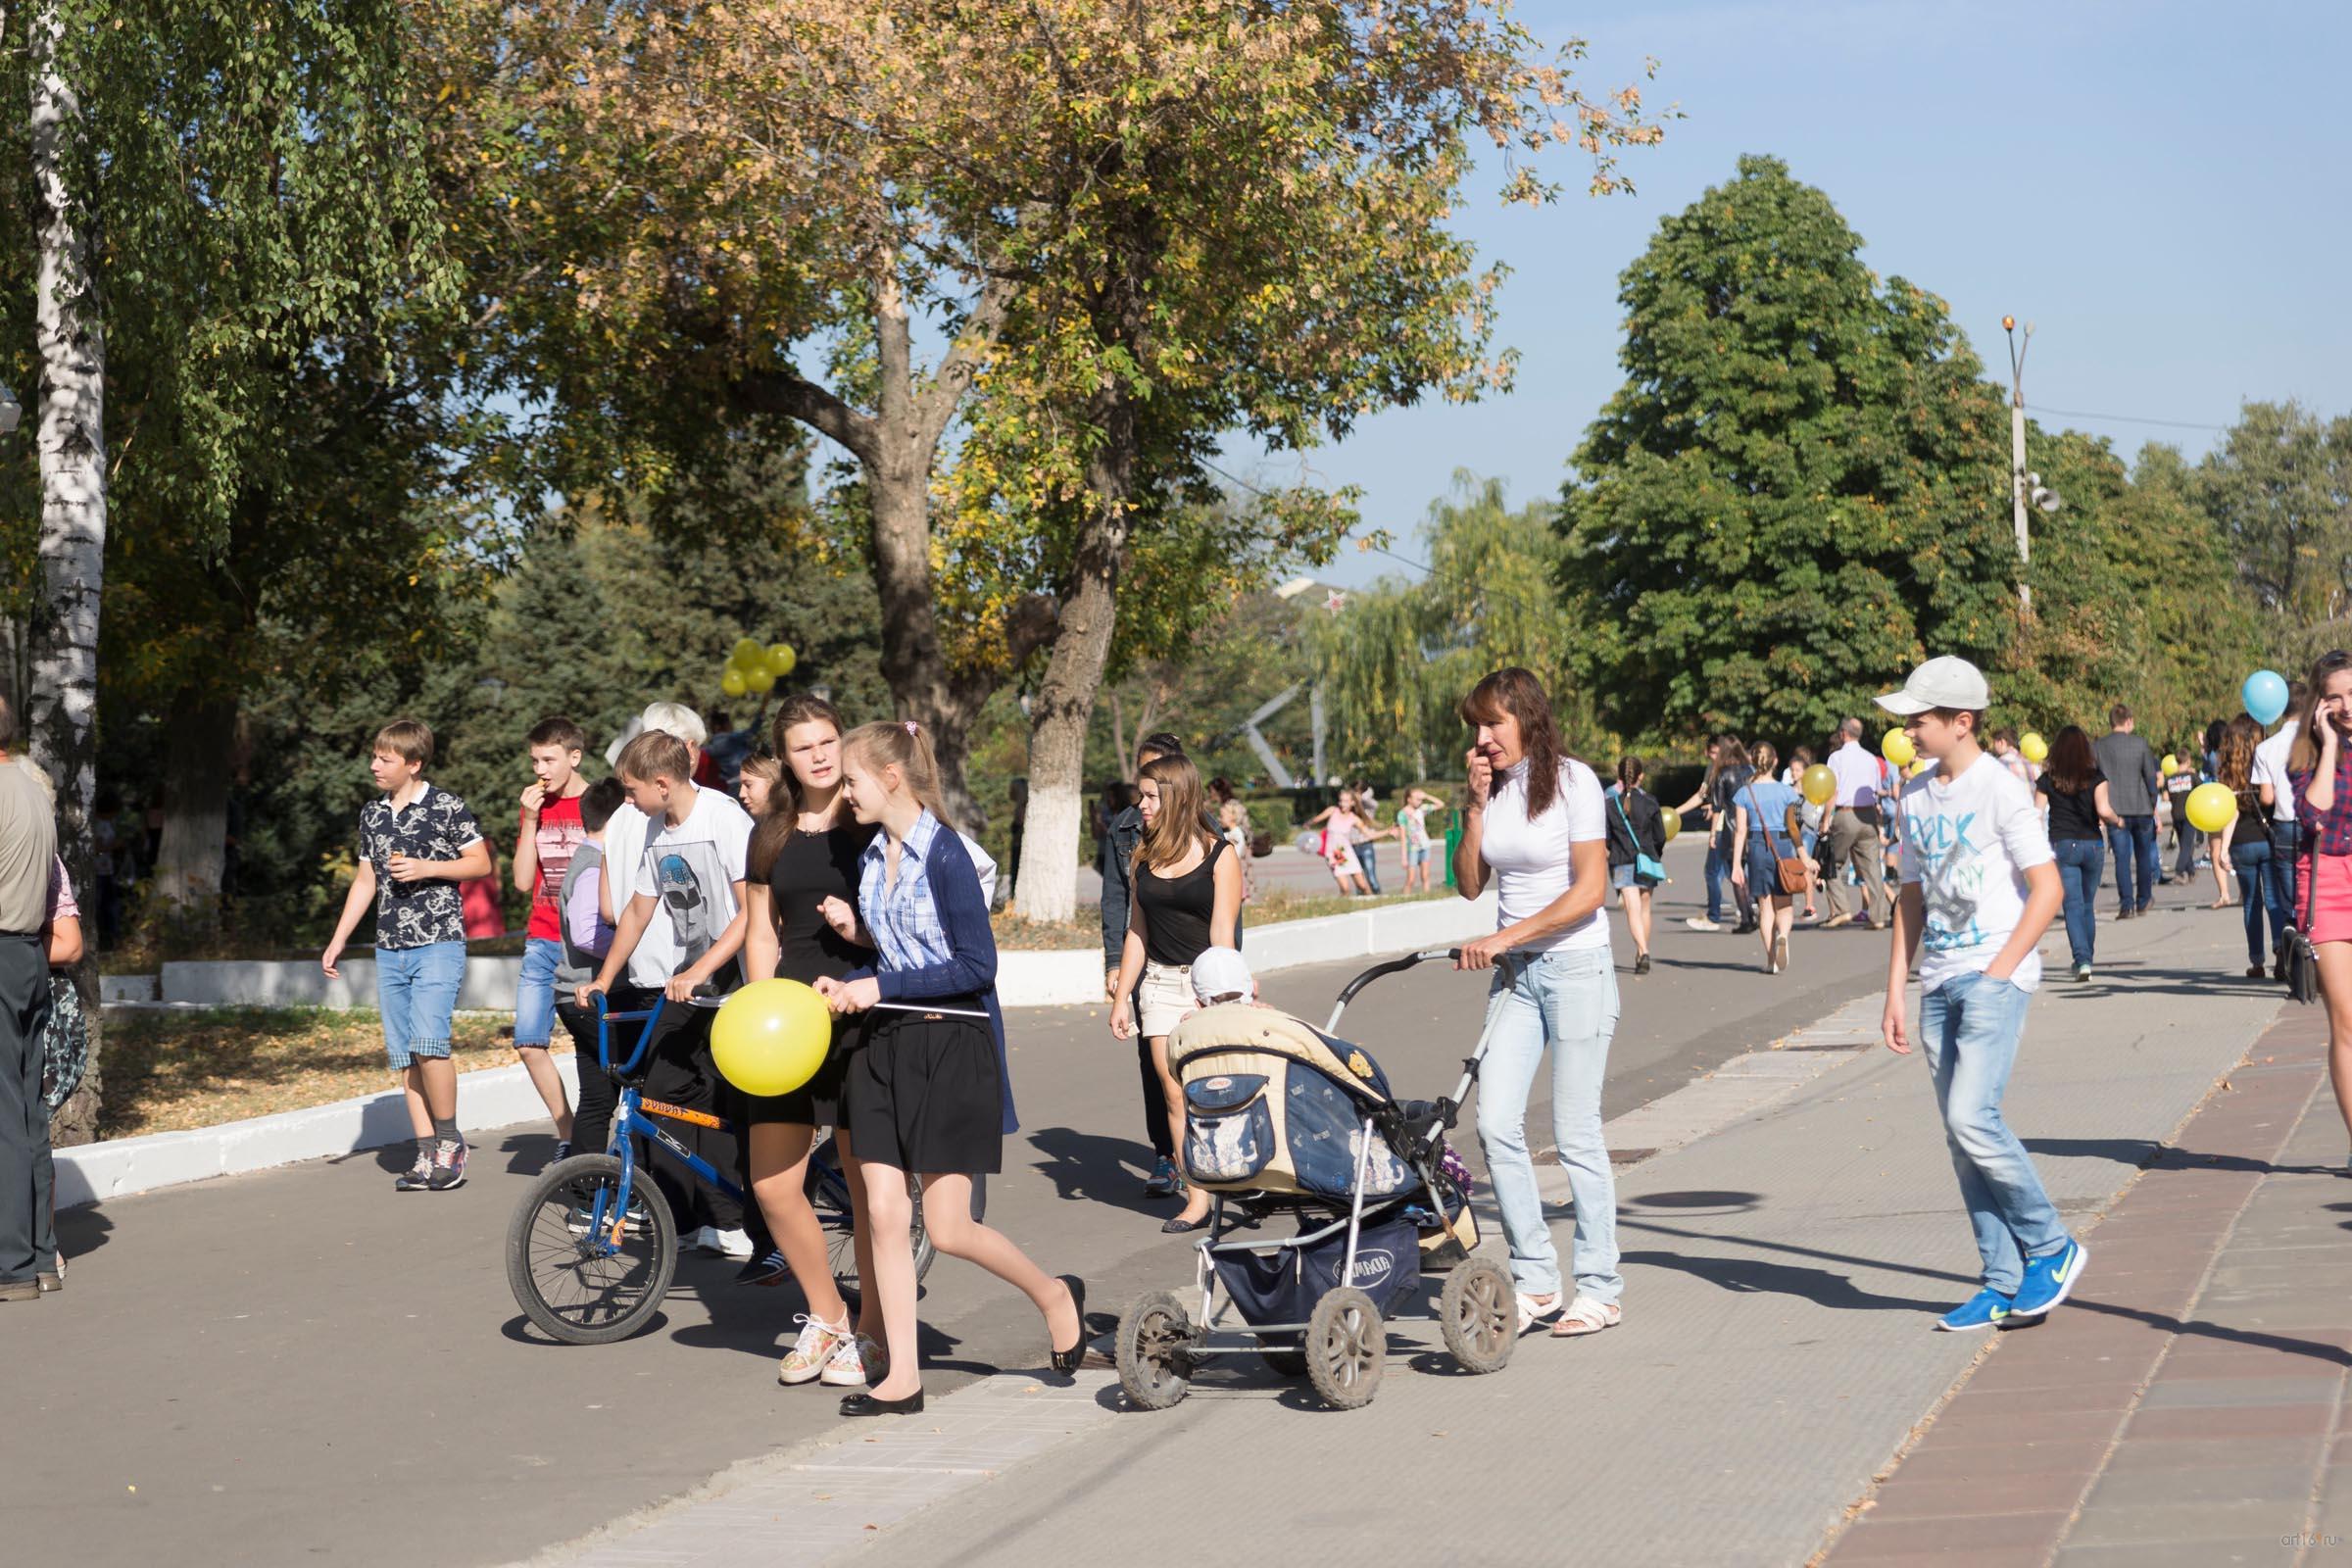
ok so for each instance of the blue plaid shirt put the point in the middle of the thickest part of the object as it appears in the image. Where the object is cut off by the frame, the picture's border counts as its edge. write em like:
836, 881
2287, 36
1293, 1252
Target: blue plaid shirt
903, 917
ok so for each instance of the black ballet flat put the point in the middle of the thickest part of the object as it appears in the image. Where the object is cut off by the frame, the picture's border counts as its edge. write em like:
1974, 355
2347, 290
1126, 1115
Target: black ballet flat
864, 1402
1177, 1227
1071, 1359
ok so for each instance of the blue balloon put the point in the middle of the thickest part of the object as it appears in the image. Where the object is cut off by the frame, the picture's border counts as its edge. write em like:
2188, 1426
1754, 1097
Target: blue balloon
2265, 696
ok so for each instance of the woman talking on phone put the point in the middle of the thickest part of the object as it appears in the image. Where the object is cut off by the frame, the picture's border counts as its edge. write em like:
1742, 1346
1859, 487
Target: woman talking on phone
1536, 825
2320, 769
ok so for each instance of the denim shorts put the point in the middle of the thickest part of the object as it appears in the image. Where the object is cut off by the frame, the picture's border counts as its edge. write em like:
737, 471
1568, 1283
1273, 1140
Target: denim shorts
1416, 855
535, 997
418, 990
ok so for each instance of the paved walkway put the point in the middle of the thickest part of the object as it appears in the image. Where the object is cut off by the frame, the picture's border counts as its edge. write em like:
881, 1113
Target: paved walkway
2190, 1408
1785, 1251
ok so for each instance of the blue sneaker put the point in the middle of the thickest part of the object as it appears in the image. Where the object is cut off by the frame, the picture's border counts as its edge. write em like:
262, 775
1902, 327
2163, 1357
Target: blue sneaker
1981, 1311
2049, 1278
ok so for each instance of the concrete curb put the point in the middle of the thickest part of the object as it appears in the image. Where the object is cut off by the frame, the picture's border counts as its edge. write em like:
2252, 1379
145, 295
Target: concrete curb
498, 1097
91, 1173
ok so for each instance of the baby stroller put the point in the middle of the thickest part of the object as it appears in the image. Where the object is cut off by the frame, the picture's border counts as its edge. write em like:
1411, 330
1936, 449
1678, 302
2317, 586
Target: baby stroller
1283, 1121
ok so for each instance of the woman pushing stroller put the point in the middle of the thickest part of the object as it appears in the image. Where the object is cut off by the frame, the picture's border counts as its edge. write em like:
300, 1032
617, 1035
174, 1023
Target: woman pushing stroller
1536, 825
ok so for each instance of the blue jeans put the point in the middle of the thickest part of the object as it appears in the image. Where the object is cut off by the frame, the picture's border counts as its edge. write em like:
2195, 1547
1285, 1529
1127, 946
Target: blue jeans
417, 989
1363, 858
535, 997
2278, 884
2080, 864
2251, 860
2133, 846
1719, 871
1970, 1027
1567, 999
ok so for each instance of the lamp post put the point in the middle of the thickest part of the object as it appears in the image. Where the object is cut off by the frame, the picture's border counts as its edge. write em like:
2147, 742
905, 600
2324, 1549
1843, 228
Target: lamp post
2024, 487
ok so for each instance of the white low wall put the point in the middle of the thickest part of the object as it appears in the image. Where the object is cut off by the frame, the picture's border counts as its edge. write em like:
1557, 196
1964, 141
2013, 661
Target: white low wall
233, 983
1057, 978
90, 1173
500, 1097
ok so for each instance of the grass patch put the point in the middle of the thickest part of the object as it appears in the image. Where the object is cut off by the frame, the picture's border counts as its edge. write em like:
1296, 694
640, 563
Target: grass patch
1017, 934
170, 1071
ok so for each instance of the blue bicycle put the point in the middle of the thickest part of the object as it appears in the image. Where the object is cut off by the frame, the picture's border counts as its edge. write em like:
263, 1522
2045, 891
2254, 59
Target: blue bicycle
593, 1247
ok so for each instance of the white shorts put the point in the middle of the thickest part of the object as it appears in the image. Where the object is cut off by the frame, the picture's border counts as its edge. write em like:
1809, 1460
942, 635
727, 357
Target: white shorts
1165, 996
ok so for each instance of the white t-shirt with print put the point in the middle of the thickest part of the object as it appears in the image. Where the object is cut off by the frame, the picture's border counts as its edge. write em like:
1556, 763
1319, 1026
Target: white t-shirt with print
1530, 859
1968, 841
2270, 767
690, 870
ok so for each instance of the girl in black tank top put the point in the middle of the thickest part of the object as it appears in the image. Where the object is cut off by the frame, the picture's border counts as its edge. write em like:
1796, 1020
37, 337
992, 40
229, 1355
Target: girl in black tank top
1187, 898
804, 852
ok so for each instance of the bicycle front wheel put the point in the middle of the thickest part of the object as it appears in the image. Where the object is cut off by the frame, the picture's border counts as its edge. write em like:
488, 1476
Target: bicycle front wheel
590, 1284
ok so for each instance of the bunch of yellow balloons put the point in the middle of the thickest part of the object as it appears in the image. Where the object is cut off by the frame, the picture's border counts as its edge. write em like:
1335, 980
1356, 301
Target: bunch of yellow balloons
756, 669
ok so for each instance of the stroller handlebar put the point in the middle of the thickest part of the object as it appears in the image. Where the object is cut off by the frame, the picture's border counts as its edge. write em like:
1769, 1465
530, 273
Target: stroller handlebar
1348, 991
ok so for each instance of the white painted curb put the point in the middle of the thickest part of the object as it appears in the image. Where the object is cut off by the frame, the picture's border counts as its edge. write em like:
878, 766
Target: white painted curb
91, 1173
500, 1097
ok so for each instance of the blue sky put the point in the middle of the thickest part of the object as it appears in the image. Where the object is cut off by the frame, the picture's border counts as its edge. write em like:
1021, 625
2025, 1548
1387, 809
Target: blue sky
2161, 188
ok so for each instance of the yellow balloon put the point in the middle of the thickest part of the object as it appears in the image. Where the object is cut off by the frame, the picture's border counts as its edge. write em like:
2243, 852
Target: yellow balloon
1819, 784
2170, 764
780, 660
747, 653
758, 677
1672, 820
2211, 808
1919, 765
1897, 749
2036, 749
730, 681
771, 1036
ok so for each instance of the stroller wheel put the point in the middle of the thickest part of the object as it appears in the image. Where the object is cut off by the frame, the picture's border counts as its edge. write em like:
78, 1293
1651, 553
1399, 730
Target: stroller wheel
1478, 1316
1346, 1347
1155, 1364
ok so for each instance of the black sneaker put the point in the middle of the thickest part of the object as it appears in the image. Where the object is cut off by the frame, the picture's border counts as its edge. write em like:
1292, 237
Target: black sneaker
449, 1166
417, 1177
563, 1151
1642, 964
769, 1268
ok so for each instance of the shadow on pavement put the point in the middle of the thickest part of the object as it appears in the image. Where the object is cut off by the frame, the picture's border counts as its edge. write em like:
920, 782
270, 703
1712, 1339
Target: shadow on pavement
1756, 1277
1098, 1168
1727, 1203
2143, 1152
82, 1230
2316, 1349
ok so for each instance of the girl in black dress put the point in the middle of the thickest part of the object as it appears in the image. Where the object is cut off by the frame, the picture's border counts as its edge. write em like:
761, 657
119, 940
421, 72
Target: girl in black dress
805, 852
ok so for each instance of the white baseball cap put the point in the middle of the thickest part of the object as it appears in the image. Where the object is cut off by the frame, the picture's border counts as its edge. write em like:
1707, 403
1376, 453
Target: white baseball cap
1221, 973
1946, 682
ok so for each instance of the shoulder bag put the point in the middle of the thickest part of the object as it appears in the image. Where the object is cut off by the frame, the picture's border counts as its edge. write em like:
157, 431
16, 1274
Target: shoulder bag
1645, 864
2302, 962
1794, 872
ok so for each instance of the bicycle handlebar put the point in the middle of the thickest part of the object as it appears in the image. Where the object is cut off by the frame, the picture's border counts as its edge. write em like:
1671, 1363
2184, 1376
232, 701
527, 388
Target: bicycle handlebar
704, 996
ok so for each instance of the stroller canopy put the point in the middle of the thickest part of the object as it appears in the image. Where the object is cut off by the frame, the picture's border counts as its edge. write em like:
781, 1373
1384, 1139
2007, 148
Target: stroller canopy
1274, 1105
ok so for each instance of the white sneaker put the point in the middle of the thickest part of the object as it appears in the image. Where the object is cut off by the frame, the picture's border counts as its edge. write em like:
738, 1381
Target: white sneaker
700, 1240
1699, 922
814, 1352
845, 1368
736, 1244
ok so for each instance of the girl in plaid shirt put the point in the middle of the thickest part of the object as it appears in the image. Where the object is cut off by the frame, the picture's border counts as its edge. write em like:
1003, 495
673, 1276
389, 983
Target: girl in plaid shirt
927, 1091
2320, 770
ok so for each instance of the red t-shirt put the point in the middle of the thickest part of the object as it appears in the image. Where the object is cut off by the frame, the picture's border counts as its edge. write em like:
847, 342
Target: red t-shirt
558, 834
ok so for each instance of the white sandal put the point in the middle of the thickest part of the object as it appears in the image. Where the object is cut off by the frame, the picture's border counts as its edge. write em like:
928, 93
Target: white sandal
1585, 1315
1533, 1310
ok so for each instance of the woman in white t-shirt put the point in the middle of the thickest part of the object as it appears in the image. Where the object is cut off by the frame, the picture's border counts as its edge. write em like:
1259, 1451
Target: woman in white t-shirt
1536, 825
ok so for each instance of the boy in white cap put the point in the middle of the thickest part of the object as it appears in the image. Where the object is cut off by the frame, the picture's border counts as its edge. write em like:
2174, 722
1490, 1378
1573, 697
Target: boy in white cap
1222, 974
1980, 887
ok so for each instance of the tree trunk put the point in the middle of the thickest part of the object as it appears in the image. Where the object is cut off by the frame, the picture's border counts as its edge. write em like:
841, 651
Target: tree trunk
1064, 701
63, 712
198, 758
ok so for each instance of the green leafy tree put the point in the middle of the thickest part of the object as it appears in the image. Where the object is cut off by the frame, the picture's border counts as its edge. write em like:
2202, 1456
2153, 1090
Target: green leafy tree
1800, 491
2280, 487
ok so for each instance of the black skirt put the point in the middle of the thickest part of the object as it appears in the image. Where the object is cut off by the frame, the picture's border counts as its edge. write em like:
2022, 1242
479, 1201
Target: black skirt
923, 1094
816, 1103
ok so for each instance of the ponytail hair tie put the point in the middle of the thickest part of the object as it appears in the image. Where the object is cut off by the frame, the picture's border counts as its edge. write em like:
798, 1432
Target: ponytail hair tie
910, 726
